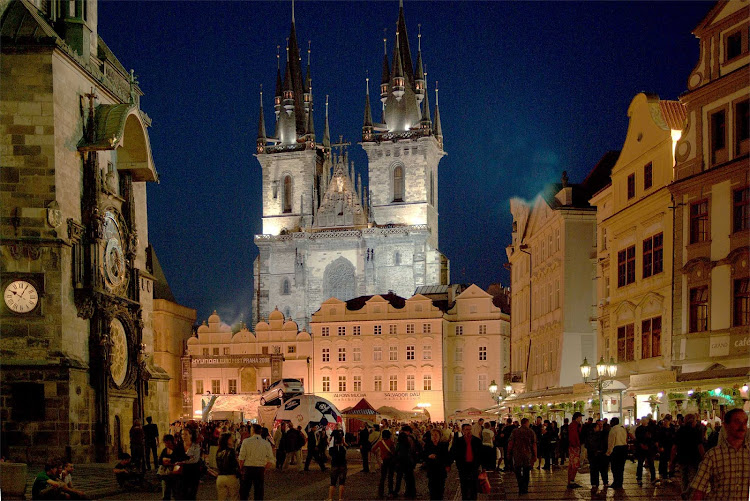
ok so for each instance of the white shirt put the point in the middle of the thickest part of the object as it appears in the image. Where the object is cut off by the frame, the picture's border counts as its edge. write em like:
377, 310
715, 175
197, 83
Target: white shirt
256, 452
617, 436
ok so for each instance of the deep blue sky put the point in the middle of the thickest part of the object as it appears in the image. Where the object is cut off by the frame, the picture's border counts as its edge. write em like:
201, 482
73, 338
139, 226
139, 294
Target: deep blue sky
527, 89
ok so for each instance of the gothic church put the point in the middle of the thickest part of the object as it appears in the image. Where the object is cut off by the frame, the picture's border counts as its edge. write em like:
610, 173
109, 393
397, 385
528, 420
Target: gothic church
325, 234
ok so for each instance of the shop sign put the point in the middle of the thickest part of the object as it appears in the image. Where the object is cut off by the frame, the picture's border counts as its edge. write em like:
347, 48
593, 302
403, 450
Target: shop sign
719, 346
402, 395
225, 361
740, 344
654, 378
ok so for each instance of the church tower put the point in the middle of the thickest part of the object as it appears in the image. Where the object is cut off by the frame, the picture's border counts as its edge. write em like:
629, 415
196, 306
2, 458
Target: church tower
324, 233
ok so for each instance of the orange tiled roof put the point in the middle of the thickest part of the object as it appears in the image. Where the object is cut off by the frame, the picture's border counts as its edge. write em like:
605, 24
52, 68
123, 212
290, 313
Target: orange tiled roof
674, 114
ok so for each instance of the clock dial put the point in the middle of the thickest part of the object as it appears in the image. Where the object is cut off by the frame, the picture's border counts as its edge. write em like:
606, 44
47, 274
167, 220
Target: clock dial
21, 296
119, 356
114, 257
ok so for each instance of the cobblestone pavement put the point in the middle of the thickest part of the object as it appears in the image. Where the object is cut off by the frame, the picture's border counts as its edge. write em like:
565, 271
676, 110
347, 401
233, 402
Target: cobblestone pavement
552, 485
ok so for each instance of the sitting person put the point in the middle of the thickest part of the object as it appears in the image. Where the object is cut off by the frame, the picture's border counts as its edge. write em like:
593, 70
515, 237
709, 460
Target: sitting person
46, 485
125, 472
67, 478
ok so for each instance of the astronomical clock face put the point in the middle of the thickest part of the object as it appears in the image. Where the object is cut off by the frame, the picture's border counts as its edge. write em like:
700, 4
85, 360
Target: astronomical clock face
114, 257
119, 366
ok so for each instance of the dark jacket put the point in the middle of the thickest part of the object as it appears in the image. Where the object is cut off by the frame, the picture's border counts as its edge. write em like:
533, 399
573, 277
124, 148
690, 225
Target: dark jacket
364, 439
458, 451
436, 466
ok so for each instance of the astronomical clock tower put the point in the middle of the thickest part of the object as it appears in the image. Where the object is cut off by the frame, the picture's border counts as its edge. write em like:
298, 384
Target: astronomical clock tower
325, 234
77, 302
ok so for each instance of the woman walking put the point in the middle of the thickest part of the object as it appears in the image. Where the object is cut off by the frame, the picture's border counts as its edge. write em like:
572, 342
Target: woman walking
189, 468
227, 483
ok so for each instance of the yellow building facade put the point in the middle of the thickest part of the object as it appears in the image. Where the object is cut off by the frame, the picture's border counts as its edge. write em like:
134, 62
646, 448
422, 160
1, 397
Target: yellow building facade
634, 252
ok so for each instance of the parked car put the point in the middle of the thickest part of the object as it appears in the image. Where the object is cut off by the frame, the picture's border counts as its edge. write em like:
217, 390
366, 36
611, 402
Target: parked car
281, 389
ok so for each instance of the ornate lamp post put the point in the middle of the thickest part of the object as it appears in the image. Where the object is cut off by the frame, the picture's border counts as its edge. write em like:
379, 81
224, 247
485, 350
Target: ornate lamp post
605, 375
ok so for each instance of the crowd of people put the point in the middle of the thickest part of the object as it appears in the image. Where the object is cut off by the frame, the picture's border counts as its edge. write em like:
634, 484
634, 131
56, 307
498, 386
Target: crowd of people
707, 460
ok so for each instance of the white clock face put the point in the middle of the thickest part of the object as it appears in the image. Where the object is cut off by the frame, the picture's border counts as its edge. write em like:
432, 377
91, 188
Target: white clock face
21, 296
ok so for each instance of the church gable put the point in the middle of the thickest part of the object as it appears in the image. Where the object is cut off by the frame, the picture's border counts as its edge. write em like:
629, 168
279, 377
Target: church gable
340, 205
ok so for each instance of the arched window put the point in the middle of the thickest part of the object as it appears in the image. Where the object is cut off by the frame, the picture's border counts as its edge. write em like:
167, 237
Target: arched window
398, 184
338, 280
285, 286
286, 196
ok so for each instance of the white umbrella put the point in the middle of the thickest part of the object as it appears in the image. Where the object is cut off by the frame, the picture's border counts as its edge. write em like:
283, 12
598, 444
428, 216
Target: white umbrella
304, 410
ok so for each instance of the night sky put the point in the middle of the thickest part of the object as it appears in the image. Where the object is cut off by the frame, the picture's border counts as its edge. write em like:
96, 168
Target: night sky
527, 90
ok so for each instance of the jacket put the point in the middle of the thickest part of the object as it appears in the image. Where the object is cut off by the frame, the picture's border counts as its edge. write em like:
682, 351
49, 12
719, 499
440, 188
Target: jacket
458, 451
436, 467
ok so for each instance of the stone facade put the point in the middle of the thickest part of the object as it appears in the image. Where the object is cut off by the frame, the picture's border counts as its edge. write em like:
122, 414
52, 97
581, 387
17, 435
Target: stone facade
326, 234
75, 161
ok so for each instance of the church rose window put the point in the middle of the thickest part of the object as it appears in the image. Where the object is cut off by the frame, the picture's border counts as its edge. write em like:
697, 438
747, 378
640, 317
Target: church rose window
339, 280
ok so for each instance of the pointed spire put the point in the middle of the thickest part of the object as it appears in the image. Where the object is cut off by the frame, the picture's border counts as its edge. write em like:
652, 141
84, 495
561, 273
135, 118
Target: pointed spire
426, 121
310, 125
437, 129
308, 78
398, 69
327, 130
261, 120
292, 11
367, 126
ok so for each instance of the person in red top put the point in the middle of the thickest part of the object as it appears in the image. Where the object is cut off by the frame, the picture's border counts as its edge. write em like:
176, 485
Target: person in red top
574, 449
467, 452
387, 451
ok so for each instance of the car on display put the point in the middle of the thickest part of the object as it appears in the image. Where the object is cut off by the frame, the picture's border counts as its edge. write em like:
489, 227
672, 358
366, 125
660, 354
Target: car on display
281, 389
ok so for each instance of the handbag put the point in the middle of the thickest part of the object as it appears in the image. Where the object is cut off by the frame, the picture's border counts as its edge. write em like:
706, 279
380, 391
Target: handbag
484, 483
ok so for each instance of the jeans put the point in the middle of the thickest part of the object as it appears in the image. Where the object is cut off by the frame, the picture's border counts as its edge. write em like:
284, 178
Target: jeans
314, 454
436, 486
599, 465
252, 477
365, 453
407, 473
647, 458
522, 477
618, 457
688, 473
151, 450
386, 470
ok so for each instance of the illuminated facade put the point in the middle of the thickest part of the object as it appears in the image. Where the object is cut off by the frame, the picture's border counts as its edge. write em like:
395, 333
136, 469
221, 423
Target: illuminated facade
712, 217
634, 250
222, 362
325, 234
405, 353
552, 259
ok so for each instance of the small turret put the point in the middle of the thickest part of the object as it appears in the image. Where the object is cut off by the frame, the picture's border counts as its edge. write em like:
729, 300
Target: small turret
426, 122
386, 80
397, 80
261, 142
419, 76
288, 88
327, 130
437, 130
279, 89
367, 128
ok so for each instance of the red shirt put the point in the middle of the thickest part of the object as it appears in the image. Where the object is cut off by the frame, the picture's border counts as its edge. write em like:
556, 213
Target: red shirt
574, 439
469, 452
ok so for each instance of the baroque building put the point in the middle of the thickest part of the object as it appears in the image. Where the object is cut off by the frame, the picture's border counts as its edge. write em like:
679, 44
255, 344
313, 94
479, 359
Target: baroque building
552, 261
634, 251
325, 234
409, 354
76, 315
711, 196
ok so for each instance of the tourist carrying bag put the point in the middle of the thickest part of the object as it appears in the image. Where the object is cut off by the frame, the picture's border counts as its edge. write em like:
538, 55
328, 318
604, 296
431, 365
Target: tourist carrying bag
484, 482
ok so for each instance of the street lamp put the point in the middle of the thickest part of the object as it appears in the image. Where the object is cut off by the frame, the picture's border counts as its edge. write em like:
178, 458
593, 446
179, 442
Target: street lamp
605, 375
497, 392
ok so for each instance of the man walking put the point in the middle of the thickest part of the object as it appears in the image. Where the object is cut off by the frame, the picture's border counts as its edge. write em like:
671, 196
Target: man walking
574, 449
151, 434
137, 443
364, 448
507, 431
617, 451
596, 448
645, 449
255, 456
523, 447
726, 467
312, 449
688, 451
467, 453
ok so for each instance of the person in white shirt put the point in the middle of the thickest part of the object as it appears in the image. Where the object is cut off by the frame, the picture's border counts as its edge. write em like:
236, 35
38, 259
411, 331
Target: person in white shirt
255, 456
617, 451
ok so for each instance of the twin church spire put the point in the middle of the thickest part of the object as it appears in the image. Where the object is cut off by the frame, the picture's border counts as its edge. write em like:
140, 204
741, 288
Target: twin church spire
403, 93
